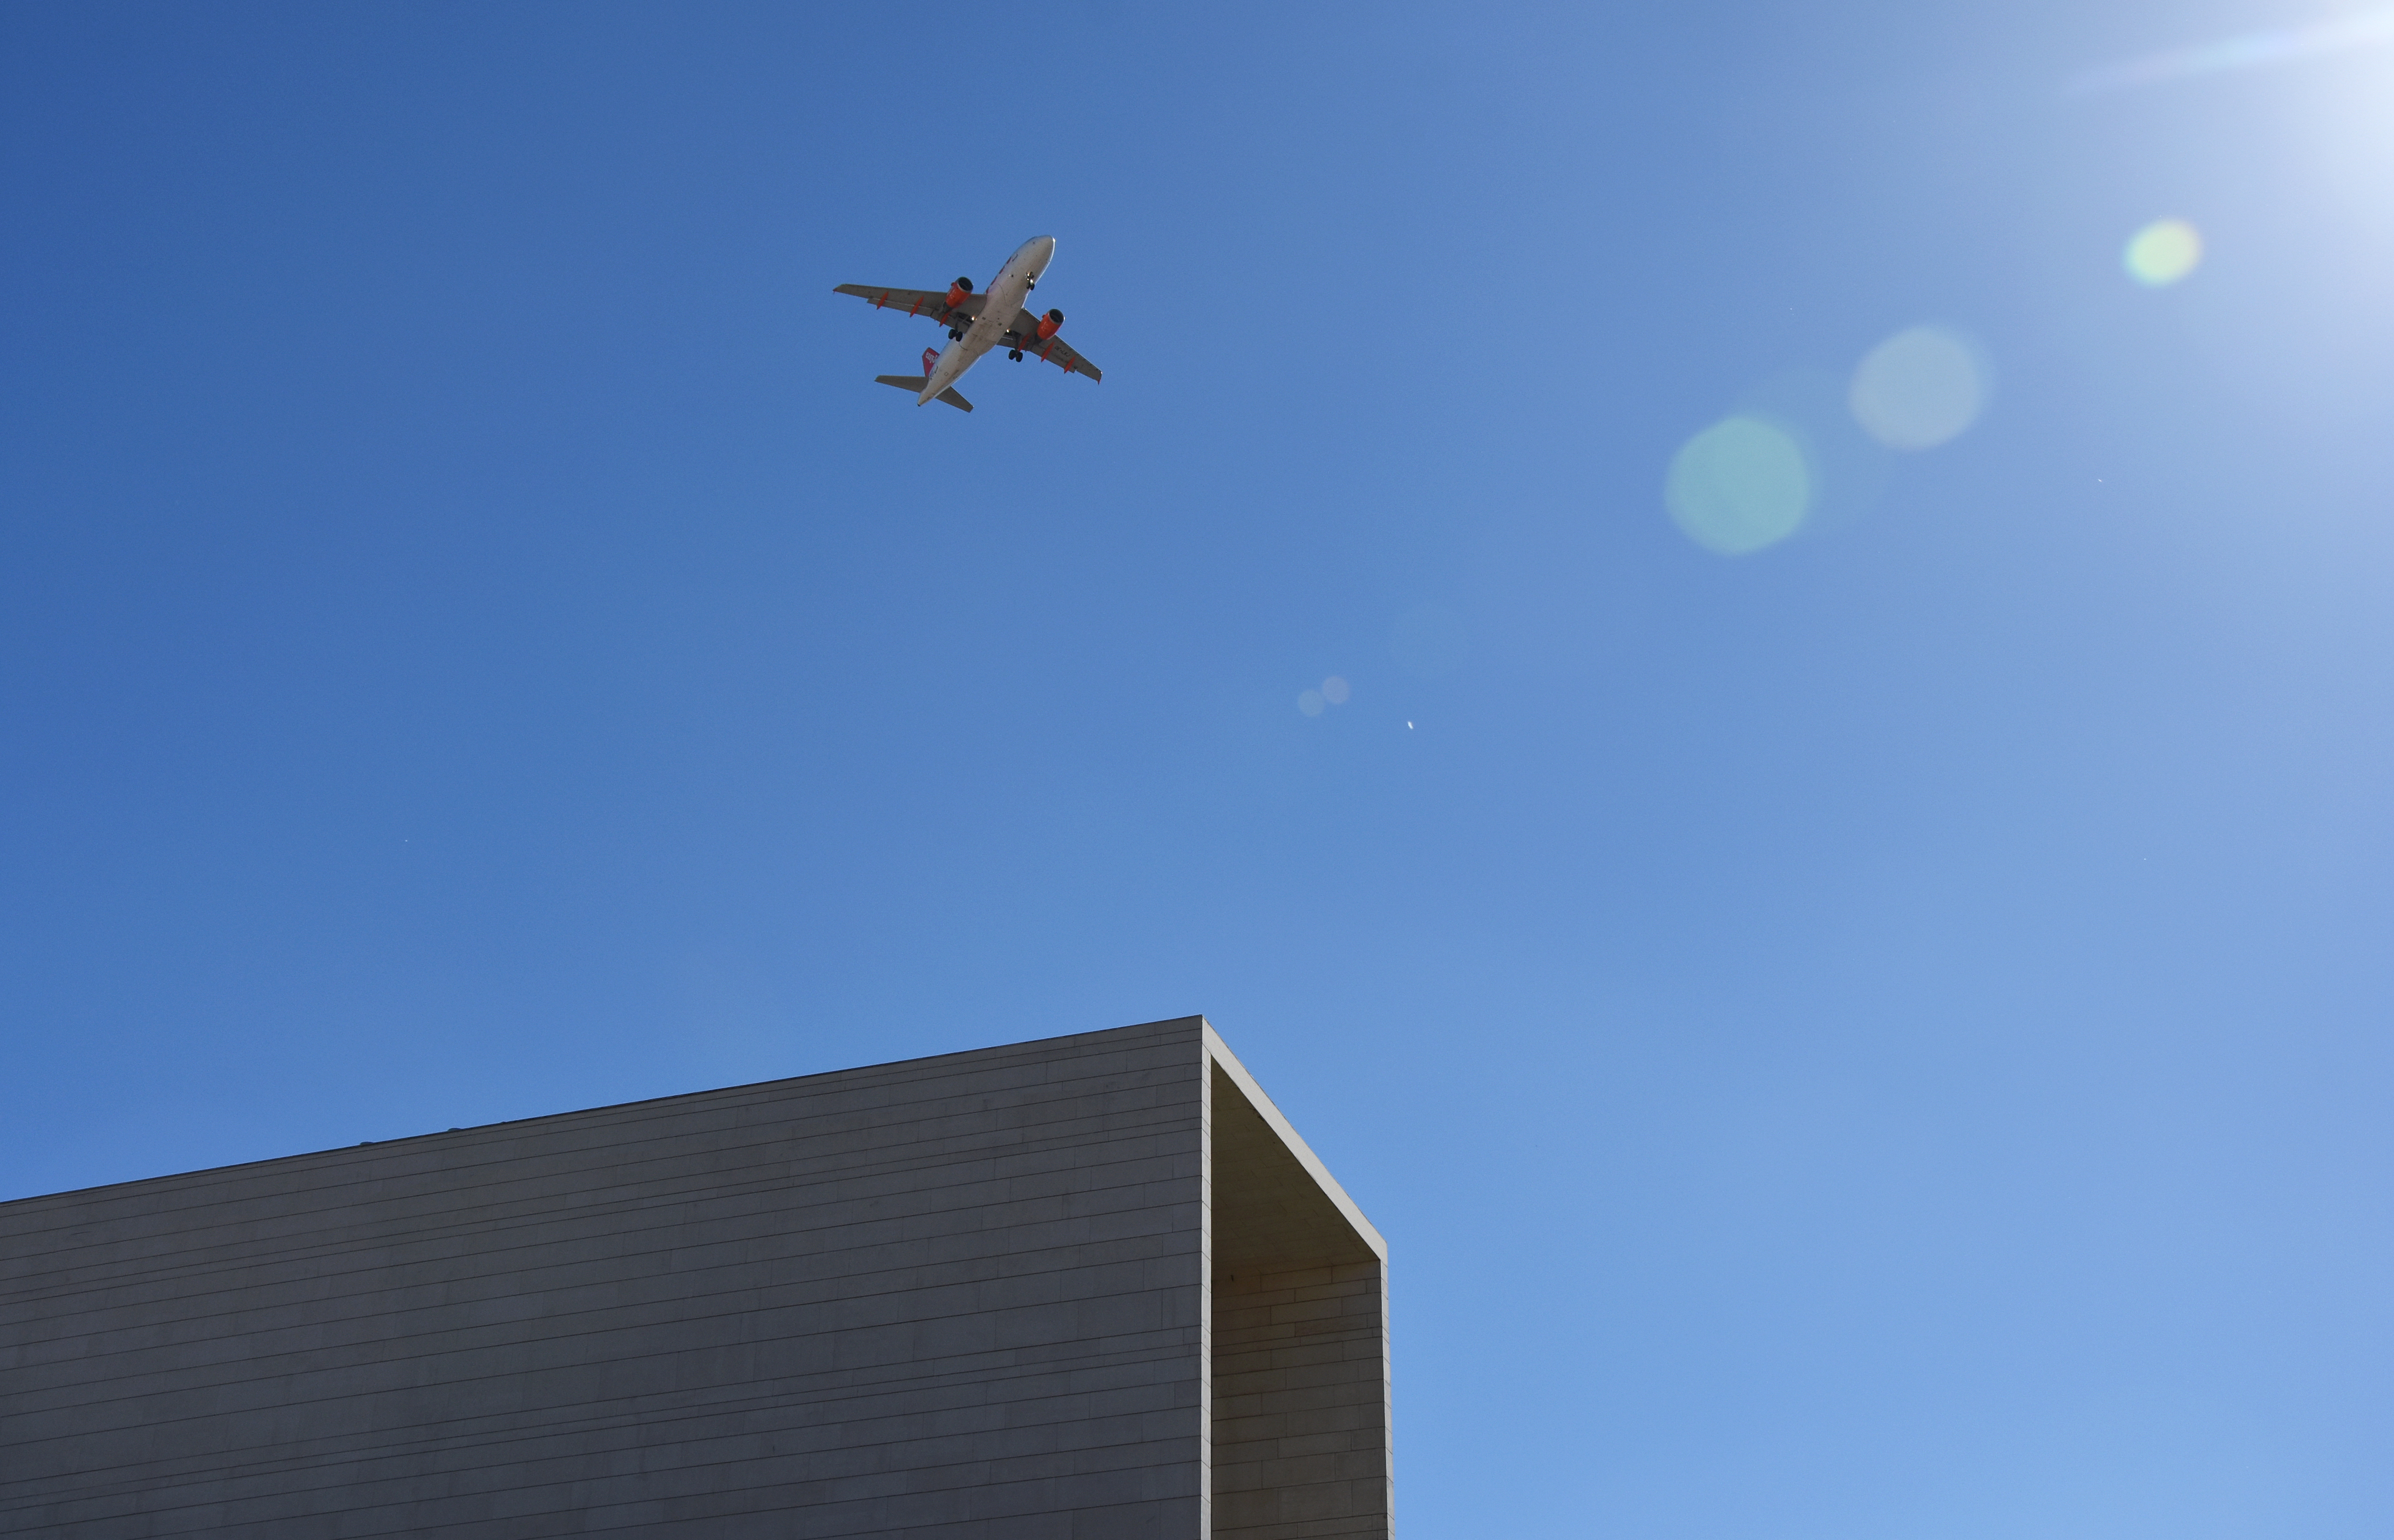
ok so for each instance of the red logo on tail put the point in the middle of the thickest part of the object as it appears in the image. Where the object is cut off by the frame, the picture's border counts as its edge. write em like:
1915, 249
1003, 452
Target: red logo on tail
931, 360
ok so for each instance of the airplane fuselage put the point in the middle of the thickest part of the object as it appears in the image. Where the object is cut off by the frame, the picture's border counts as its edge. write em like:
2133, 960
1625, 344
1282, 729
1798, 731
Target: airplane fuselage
1000, 304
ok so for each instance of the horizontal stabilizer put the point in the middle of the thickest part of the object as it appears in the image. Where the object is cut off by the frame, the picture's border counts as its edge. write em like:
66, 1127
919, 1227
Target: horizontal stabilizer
915, 384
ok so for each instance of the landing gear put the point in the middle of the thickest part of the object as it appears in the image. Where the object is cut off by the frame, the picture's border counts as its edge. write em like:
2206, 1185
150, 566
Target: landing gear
955, 333
1016, 355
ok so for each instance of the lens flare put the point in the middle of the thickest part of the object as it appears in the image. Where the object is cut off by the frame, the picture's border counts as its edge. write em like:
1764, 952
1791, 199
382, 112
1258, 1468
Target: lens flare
2250, 51
2163, 253
1739, 486
1919, 388
1335, 691
1310, 701
1846, 470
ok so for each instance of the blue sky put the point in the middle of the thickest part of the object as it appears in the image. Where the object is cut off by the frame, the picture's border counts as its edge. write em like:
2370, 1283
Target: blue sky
1886, 1035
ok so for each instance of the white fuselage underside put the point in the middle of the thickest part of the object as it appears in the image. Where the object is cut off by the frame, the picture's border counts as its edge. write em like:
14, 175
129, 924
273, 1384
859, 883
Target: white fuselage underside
999, 307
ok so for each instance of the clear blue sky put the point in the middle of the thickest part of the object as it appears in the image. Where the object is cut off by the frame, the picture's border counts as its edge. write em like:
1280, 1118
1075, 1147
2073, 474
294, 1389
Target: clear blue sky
1883, 1037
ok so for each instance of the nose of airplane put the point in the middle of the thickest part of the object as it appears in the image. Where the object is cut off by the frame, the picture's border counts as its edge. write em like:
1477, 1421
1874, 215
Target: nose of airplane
1040, 249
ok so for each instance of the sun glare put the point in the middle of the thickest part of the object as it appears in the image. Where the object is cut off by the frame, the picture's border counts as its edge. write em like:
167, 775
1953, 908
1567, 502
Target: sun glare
2253, 50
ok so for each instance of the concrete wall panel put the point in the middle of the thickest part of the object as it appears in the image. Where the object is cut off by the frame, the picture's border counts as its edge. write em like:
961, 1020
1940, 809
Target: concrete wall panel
957, 1298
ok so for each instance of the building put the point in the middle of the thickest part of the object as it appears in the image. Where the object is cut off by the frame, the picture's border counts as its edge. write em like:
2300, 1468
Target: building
1090, 1288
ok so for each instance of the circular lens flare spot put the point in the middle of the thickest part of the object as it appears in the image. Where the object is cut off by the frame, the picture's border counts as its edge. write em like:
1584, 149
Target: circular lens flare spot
1738, 486
1335, 691
1918, 389
2163, 253
1310, 703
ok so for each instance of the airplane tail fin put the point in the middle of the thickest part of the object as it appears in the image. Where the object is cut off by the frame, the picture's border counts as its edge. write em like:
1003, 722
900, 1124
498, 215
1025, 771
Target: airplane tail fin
915, 384
931, 360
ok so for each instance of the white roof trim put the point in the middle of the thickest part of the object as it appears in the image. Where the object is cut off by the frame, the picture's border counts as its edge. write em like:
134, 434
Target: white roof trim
1220, 1054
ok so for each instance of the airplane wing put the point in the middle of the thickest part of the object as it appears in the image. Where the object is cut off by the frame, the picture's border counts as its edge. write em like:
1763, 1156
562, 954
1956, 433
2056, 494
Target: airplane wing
934, 303
1025, 335
1055, 351
929, 302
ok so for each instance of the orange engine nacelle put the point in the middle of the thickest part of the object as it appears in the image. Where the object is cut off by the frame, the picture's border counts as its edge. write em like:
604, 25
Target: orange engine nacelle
1050, 323
957, 290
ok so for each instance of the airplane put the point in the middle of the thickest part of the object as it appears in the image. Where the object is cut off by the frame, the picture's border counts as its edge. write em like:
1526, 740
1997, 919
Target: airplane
978, 323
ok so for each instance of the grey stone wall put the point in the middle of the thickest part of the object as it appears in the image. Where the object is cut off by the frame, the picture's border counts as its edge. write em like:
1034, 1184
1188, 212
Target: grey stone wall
1298, 1347
1300, 1404
956, 1298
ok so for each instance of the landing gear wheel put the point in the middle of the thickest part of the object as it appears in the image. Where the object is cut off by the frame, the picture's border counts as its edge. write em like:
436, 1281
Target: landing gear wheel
1016, 355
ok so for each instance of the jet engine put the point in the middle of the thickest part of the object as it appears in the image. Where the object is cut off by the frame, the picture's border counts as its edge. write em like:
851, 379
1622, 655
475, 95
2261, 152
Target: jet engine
1050, 323
957, 290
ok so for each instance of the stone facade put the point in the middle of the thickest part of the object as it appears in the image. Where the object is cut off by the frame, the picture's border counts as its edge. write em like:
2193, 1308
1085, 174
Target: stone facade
1090, 1288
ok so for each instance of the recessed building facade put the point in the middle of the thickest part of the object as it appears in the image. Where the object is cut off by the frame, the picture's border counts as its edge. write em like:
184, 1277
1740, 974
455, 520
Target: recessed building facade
1090, 1288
